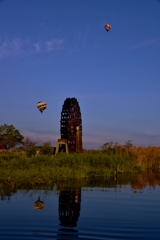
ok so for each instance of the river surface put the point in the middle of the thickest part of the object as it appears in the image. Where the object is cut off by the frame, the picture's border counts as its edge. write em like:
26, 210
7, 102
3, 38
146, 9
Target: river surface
98, 212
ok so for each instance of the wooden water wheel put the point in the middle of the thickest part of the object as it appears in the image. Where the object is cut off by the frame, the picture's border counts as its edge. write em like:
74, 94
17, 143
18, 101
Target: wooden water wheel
71, 124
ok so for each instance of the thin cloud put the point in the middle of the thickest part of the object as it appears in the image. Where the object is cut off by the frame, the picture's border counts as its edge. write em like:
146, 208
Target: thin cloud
54, 44
41, 137
79, 40
25, 47
146, 43
37, 46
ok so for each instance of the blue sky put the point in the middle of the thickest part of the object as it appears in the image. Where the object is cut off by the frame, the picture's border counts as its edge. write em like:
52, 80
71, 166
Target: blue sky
54, 49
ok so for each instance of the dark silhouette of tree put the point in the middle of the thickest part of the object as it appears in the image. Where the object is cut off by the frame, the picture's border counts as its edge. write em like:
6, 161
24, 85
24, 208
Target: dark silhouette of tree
28, 142
128, 144
10, 136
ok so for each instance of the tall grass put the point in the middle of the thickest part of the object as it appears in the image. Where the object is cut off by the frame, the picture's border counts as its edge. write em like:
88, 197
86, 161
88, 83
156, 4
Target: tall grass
17, 169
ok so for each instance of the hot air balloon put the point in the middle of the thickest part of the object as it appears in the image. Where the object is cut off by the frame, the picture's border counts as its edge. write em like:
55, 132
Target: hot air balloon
107, 27
41, 106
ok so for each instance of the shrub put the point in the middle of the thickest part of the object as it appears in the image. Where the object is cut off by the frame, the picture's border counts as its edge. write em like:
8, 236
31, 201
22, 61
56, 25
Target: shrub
30, 152
47, 149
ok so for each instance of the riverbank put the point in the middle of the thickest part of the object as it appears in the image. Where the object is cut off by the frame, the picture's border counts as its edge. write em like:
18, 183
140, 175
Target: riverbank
20, 170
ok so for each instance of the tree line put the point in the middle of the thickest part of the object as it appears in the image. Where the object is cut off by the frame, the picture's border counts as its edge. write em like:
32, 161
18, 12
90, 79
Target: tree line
10, 137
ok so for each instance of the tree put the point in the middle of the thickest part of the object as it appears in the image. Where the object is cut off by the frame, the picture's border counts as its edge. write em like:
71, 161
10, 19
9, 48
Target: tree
128, 144
47, 148
107, 145
28, 142
9, 136
112, 147
30, 152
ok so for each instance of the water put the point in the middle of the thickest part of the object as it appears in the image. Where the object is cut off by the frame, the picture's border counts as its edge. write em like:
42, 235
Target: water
103, 211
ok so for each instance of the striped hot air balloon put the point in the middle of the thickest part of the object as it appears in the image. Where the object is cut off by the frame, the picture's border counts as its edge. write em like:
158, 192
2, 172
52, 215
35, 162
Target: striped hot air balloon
41, 106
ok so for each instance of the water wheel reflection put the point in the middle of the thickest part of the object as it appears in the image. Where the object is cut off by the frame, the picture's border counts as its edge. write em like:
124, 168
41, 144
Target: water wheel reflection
69, 210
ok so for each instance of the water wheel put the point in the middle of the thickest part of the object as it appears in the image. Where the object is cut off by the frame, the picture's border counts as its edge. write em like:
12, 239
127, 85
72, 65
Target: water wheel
71, 124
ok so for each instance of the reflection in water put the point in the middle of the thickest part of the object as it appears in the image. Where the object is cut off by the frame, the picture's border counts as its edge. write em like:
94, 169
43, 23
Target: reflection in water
69, 210
110, 211
136, 181
150, 178
39, 205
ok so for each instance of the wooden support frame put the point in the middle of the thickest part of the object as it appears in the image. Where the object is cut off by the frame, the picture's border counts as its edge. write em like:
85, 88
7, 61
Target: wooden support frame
61, 142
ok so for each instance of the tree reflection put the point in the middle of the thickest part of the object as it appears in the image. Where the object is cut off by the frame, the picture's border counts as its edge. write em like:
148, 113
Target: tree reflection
140, 181
69, 194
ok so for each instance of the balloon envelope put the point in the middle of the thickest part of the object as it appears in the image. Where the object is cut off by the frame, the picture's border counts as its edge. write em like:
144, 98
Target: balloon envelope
41, 106
107, 27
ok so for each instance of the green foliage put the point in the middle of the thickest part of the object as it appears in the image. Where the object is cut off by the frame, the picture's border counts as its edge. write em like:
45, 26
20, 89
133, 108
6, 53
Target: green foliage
28, 168
115, 148
139, 169
47, 149
30, 152
9, 136
41, 160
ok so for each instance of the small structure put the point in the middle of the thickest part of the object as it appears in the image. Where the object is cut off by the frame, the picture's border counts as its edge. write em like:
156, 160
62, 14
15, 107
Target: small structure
62, 145
78, 139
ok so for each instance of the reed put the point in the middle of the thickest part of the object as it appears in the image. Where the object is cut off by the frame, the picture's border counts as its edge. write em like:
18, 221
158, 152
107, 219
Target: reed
18, 169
